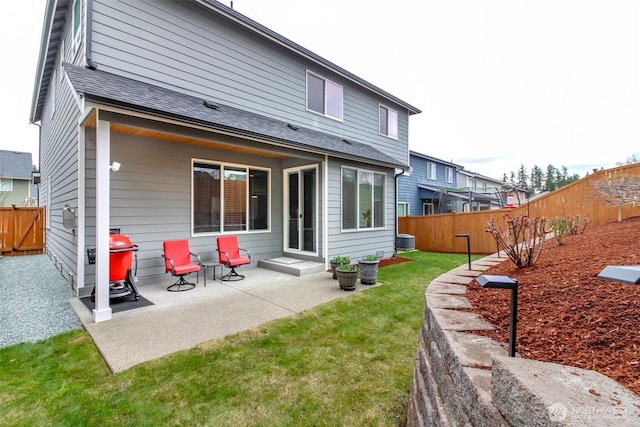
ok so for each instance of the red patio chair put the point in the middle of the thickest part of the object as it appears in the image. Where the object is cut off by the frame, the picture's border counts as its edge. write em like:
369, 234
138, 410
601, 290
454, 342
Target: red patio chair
177, 261
230, 257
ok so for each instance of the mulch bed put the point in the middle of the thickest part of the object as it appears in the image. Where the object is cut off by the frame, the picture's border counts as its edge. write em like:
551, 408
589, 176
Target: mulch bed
566, 314
392, 261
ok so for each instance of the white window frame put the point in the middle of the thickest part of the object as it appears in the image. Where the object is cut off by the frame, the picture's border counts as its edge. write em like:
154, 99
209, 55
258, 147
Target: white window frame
54, 82
431, 171
329, 95
448, 174
405, 206
62, 53
222, 166
6, 184
428, 208
391, 121
76, 23
357, 200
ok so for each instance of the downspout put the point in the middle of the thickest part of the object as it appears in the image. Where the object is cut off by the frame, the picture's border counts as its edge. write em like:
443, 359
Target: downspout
40, 164
395, 215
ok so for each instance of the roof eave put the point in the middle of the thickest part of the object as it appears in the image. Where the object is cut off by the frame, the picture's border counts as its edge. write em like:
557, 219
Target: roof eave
97, 101
54, 17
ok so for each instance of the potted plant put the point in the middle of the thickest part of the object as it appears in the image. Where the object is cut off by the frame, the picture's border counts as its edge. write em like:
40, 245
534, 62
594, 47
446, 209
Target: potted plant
347, 276
336, 261
369, 269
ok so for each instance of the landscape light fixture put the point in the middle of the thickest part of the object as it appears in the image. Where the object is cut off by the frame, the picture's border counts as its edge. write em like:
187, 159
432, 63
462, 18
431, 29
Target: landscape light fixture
468, 246
621, 273
505, 282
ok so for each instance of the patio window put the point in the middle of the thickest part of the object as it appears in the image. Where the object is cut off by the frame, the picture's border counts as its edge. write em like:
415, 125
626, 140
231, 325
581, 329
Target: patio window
324, 96
362, 199
229, 198
388, 122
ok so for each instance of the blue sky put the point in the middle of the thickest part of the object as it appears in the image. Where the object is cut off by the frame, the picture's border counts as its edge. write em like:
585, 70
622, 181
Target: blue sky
499, 83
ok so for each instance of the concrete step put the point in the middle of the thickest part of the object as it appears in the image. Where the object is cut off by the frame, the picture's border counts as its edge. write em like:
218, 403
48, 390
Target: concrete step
295, 267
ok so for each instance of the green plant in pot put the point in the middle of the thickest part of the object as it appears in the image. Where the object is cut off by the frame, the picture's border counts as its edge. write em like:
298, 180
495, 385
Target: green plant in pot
336, 261
347, 276
369, 269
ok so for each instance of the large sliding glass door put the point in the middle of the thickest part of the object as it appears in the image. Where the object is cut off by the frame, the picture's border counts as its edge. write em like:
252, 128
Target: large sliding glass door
301, 209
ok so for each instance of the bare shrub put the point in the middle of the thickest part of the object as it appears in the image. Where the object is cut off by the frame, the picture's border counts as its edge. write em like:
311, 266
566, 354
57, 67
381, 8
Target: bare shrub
521, 238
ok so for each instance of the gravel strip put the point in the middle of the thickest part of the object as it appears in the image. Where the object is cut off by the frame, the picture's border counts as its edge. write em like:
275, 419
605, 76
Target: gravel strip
35, 300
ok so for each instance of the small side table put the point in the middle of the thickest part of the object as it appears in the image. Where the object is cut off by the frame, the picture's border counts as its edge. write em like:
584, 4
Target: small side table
210, 265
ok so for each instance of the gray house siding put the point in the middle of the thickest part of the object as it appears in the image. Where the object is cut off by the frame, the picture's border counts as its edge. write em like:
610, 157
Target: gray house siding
151, 200
355, 244
259, 80
59, 156
59, 168
183, 46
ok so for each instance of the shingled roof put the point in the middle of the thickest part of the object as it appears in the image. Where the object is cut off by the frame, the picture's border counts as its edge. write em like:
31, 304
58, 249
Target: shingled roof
15, 165
117, 91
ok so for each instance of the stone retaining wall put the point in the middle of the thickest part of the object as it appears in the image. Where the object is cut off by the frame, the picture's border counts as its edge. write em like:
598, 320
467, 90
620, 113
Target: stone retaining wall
462, 379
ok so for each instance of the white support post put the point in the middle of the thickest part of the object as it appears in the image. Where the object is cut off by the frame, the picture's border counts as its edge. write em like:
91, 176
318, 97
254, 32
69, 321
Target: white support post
102, 310
80, 210
325, 211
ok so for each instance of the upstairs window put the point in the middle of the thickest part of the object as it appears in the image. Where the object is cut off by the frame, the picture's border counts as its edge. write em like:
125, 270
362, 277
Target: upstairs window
77, 22
388, 122
448, 174
6, 184
431, 171
324, 96
53, 92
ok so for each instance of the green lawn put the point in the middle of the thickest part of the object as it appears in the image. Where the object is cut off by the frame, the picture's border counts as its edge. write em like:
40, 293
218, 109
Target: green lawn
345, 363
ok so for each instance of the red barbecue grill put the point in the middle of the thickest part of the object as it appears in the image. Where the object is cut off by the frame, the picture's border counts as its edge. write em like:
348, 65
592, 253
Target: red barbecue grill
121, 277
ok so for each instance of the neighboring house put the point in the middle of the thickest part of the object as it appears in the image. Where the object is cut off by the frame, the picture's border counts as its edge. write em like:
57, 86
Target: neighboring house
480, 193
434, 186
17, 179
220, 125
429, 187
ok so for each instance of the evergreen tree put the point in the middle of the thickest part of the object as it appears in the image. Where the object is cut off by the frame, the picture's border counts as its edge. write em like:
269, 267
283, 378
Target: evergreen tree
522, 180
537, 177
549, 181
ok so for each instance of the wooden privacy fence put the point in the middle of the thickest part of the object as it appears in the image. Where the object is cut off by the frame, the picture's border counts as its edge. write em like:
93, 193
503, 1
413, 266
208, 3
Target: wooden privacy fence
436, 233
21, 230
